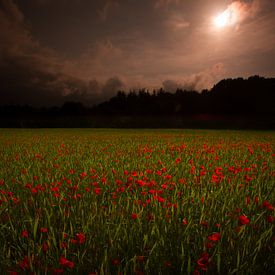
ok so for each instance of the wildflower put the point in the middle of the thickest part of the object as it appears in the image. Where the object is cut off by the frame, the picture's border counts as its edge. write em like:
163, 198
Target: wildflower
209, 245
167, 177
97, 191
134, 216
63, 245
73, 241
214, 237
140, 258
115, 261
45, 247
160, 199
134, 174
243, 220
25, 263
80, 237
34, 191
178, 160
71, 171
182, 181
203, 261
204, 223
184, 221
43, 230
167, 264
24, 171
65, 262
24, 234
83, 175
15, 200
268, 206
270, 219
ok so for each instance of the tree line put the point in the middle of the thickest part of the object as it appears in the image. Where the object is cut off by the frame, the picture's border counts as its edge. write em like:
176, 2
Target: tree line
252, 97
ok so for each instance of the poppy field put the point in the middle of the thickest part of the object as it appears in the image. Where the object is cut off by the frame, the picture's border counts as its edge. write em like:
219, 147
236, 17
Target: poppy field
99, 201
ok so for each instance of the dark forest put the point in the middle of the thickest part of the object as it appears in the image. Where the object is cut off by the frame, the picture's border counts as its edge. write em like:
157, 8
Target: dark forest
231, 103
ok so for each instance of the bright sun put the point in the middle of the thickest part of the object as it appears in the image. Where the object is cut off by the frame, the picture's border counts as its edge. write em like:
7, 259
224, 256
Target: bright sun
227, 18
222, 20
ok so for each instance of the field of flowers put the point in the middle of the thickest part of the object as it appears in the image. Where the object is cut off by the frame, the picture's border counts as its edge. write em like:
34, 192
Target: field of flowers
136, 202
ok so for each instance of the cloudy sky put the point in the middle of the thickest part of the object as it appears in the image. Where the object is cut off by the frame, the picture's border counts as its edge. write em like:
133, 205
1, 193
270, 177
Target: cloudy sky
53, 51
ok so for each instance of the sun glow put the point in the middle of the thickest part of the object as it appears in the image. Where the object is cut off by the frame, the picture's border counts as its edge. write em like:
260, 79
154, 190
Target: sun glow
222, 19
227, 18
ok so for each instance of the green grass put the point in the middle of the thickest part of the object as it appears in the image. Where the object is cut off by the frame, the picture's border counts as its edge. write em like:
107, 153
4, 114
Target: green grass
136, 201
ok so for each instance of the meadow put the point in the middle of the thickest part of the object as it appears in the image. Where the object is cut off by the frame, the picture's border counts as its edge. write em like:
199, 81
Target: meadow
99, 201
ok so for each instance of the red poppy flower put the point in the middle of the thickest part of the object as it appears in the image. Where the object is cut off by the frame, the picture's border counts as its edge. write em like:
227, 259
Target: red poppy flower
63, 245
204, 223
184, 221
25, 263
80, 237
268, 206
65, 262
209, 245
116, 262
160, 199
97, 190
270, 219
83, 175
24, 234
178, 160
140, 258
34, 191
43, 230
134, 216
167, 264
214, 237
203, 261
73, 241
243, 220
45, 247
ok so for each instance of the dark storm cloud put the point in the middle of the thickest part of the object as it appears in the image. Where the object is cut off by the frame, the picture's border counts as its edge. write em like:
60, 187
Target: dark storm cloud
33, 74
86, 50
106, 8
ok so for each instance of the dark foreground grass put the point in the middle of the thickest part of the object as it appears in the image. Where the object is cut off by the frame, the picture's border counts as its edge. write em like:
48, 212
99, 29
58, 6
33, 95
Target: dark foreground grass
136, 202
